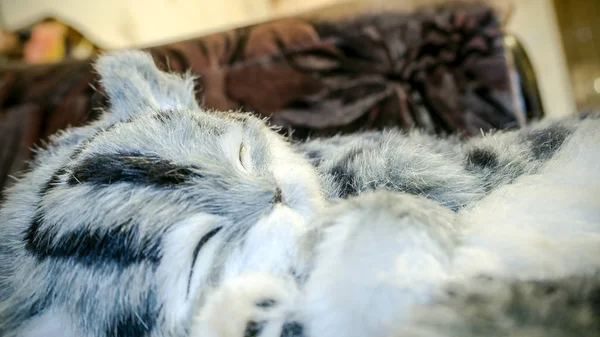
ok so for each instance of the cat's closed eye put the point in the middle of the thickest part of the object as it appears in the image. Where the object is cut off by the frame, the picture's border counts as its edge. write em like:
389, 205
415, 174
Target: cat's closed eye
244, 156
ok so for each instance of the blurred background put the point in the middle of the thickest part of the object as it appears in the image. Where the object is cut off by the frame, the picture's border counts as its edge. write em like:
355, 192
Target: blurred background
561, 37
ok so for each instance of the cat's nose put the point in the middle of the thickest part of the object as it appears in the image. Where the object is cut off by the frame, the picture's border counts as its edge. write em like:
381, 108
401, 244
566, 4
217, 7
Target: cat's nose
277, 198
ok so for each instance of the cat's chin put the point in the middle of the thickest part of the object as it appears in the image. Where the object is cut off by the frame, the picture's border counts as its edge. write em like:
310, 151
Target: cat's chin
260, 281
273, 244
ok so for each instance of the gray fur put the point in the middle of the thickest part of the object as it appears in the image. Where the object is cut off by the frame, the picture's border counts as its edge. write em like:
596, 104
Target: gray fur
162, 219
68, 206
452, 172
494, 307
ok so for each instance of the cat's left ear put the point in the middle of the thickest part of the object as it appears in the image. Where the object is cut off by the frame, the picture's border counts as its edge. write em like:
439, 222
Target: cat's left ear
134, 85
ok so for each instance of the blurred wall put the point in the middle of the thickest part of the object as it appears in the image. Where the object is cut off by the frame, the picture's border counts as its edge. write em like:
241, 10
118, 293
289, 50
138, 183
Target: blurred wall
580, 32
123, 23
534, 23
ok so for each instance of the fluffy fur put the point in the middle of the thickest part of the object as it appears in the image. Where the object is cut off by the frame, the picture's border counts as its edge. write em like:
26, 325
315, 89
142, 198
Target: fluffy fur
530, 222
162, 219
123, 226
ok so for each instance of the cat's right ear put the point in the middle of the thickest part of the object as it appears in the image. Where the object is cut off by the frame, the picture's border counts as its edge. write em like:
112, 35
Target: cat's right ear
134, 85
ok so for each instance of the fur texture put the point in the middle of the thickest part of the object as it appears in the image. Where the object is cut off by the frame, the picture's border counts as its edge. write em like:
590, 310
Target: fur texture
532, 222
162, 219
122, 227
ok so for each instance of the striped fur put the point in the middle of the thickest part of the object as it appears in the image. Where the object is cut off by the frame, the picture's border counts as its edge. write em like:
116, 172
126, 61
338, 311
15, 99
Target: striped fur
162, 219
117, 230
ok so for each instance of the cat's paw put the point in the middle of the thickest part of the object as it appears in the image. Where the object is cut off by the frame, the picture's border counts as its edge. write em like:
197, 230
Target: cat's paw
380, 253
252, 305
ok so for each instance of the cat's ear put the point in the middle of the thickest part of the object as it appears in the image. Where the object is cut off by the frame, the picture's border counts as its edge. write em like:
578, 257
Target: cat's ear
134, 85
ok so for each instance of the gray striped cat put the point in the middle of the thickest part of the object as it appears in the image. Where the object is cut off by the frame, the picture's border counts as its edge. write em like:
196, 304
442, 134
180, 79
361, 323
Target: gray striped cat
162, 219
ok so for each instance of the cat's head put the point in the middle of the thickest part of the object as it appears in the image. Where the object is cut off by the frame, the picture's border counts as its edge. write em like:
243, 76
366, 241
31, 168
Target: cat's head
231, 163
161, 186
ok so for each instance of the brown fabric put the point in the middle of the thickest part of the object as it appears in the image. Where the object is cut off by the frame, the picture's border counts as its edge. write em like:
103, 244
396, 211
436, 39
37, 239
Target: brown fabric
442, 70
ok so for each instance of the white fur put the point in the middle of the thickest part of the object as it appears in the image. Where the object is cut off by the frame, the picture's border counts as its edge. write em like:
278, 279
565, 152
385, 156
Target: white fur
375, 262
545, 225
297, 178
51, 324
272, 245
232, 305
179, 245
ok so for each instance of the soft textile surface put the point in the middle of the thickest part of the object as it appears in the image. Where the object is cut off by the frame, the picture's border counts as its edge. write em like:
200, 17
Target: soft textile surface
163, 219
442, 70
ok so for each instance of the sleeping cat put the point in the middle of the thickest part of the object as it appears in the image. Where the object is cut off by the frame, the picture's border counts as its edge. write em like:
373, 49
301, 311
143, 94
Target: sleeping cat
162, 219
103, 236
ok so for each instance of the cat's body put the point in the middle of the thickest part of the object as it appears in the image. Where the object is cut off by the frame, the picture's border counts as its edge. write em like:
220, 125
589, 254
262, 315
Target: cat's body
165, 220
528, 217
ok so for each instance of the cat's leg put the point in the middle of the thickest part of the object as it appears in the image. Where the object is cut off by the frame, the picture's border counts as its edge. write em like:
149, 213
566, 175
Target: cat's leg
379, 254
454, 172
493, 307
411, 163
500, 158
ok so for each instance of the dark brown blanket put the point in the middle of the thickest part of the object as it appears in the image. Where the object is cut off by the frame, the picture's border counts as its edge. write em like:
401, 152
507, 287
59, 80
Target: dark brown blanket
442, 70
